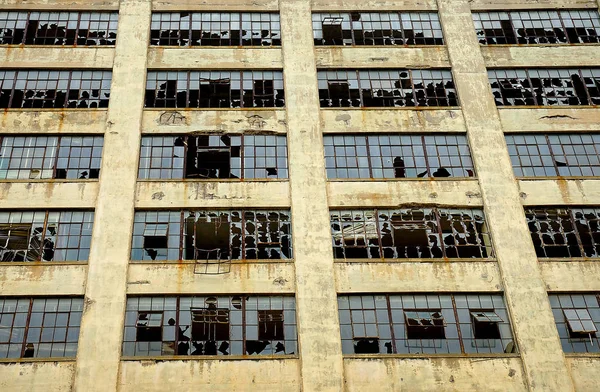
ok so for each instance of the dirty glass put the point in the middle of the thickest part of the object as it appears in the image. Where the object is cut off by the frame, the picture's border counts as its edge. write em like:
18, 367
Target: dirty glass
577, 317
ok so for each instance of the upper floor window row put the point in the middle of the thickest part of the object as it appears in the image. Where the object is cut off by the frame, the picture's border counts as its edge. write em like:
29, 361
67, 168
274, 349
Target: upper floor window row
538, 27
377, 28
214, 89
54, 89
397, 156
46, 157
58, 28
213, 156
215, 29
386, 88
577, 317
545, 87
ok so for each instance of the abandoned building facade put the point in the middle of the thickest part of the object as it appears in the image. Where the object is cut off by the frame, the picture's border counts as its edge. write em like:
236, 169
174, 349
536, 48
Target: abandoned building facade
299, 195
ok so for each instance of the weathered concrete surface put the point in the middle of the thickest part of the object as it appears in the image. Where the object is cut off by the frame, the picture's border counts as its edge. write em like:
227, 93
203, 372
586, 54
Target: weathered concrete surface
37, 376
203, 58
531, 4
376, 5
61, 121
434, 374
248, 375
584, 371
104, 5
432, 276
43, 194
95, 57
559, 192
541, 56
208, 194
563, 276
224, 120
392, 120
382, 57
212, 5
572, 119
43, 279
179, 278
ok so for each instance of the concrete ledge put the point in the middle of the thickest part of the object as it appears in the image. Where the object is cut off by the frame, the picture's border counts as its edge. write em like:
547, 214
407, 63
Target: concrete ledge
250, 375
24, 195
541, 56
372, 5
504, 5
382, 57
60, 5
179, 278
214, 58
392, 120
212, 5
210, 120
208, 194
370, 193
434, 374
394, 277
564, 276
42, 279
57, 57
67, 121
37, 376
549, 119
584, 372
556, 192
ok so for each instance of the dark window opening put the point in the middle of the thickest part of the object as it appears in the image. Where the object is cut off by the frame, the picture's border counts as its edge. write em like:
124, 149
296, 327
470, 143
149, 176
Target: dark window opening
332, 31
149, 327
210, 324
366, 345
425, 324
270, 325
210, 237
485, 324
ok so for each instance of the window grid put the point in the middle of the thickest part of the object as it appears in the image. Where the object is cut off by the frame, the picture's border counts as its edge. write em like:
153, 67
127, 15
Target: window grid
45, 235
215, 29
214, 89
250, 156
46, 157
39, 327
54, 89
372, 324
545, 87
240, 314
567, 302
539, 155
410, 233
378, 28
538, 27
58, 28
397, 156
250, 235
564, 232
386, 88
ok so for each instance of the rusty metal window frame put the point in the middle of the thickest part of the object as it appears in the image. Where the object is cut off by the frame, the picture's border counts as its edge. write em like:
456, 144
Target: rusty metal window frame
561, 232
381, 319
538, 27
549, 155
389, 88
380, 28
215, 29
545, 87
43, 327
50, 157
58, 28
369, 234
577, 342
240, 312
376, 156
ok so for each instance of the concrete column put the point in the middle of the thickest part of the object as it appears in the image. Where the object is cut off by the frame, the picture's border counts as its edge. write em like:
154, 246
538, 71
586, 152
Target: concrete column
318, 322
99, 352
527, 300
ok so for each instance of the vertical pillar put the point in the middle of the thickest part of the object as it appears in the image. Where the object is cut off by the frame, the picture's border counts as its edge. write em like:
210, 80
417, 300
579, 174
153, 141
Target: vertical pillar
99, 352
526, 296
318, 322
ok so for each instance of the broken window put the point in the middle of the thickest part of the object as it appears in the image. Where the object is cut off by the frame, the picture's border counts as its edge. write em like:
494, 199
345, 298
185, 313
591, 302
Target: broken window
548, 155
377, 28
212, 235
46, 157
58, 28
410, 233
215, 29
39, 327
207, 325
545, 87
386, 88
577, 317
214, 89
54, 89
538, 27
564, 232
45, 235
421, 324
213, 156
486, 324
397, 156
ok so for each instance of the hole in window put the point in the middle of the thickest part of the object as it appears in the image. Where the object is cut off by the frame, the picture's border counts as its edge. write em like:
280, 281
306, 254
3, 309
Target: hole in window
485, 324
425, 324
332, 30
16, 245
366, 345
210, 324
270, 324
149, 327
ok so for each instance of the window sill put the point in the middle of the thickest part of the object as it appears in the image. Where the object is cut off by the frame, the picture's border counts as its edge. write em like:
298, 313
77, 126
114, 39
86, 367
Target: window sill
481, 357
4, 264
49, 180
568, 259
54, 110
353, 46
192, 262
557, 178
25, 46
37, 360
549, 107
402, 179
582, 355
213, 109
210, 358
409, 260
401, 108
210, 47
535, 45
212, 180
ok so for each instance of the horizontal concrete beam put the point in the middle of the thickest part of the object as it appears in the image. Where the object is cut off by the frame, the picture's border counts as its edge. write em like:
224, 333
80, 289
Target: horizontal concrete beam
500, 56
28, 279
382, 57
372, 5
37, 376
584, 371
530, 4
212, 5
549, 119
559, 192
67, 121
60, 5
214, 58
23, 195
57, 57
564, 276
